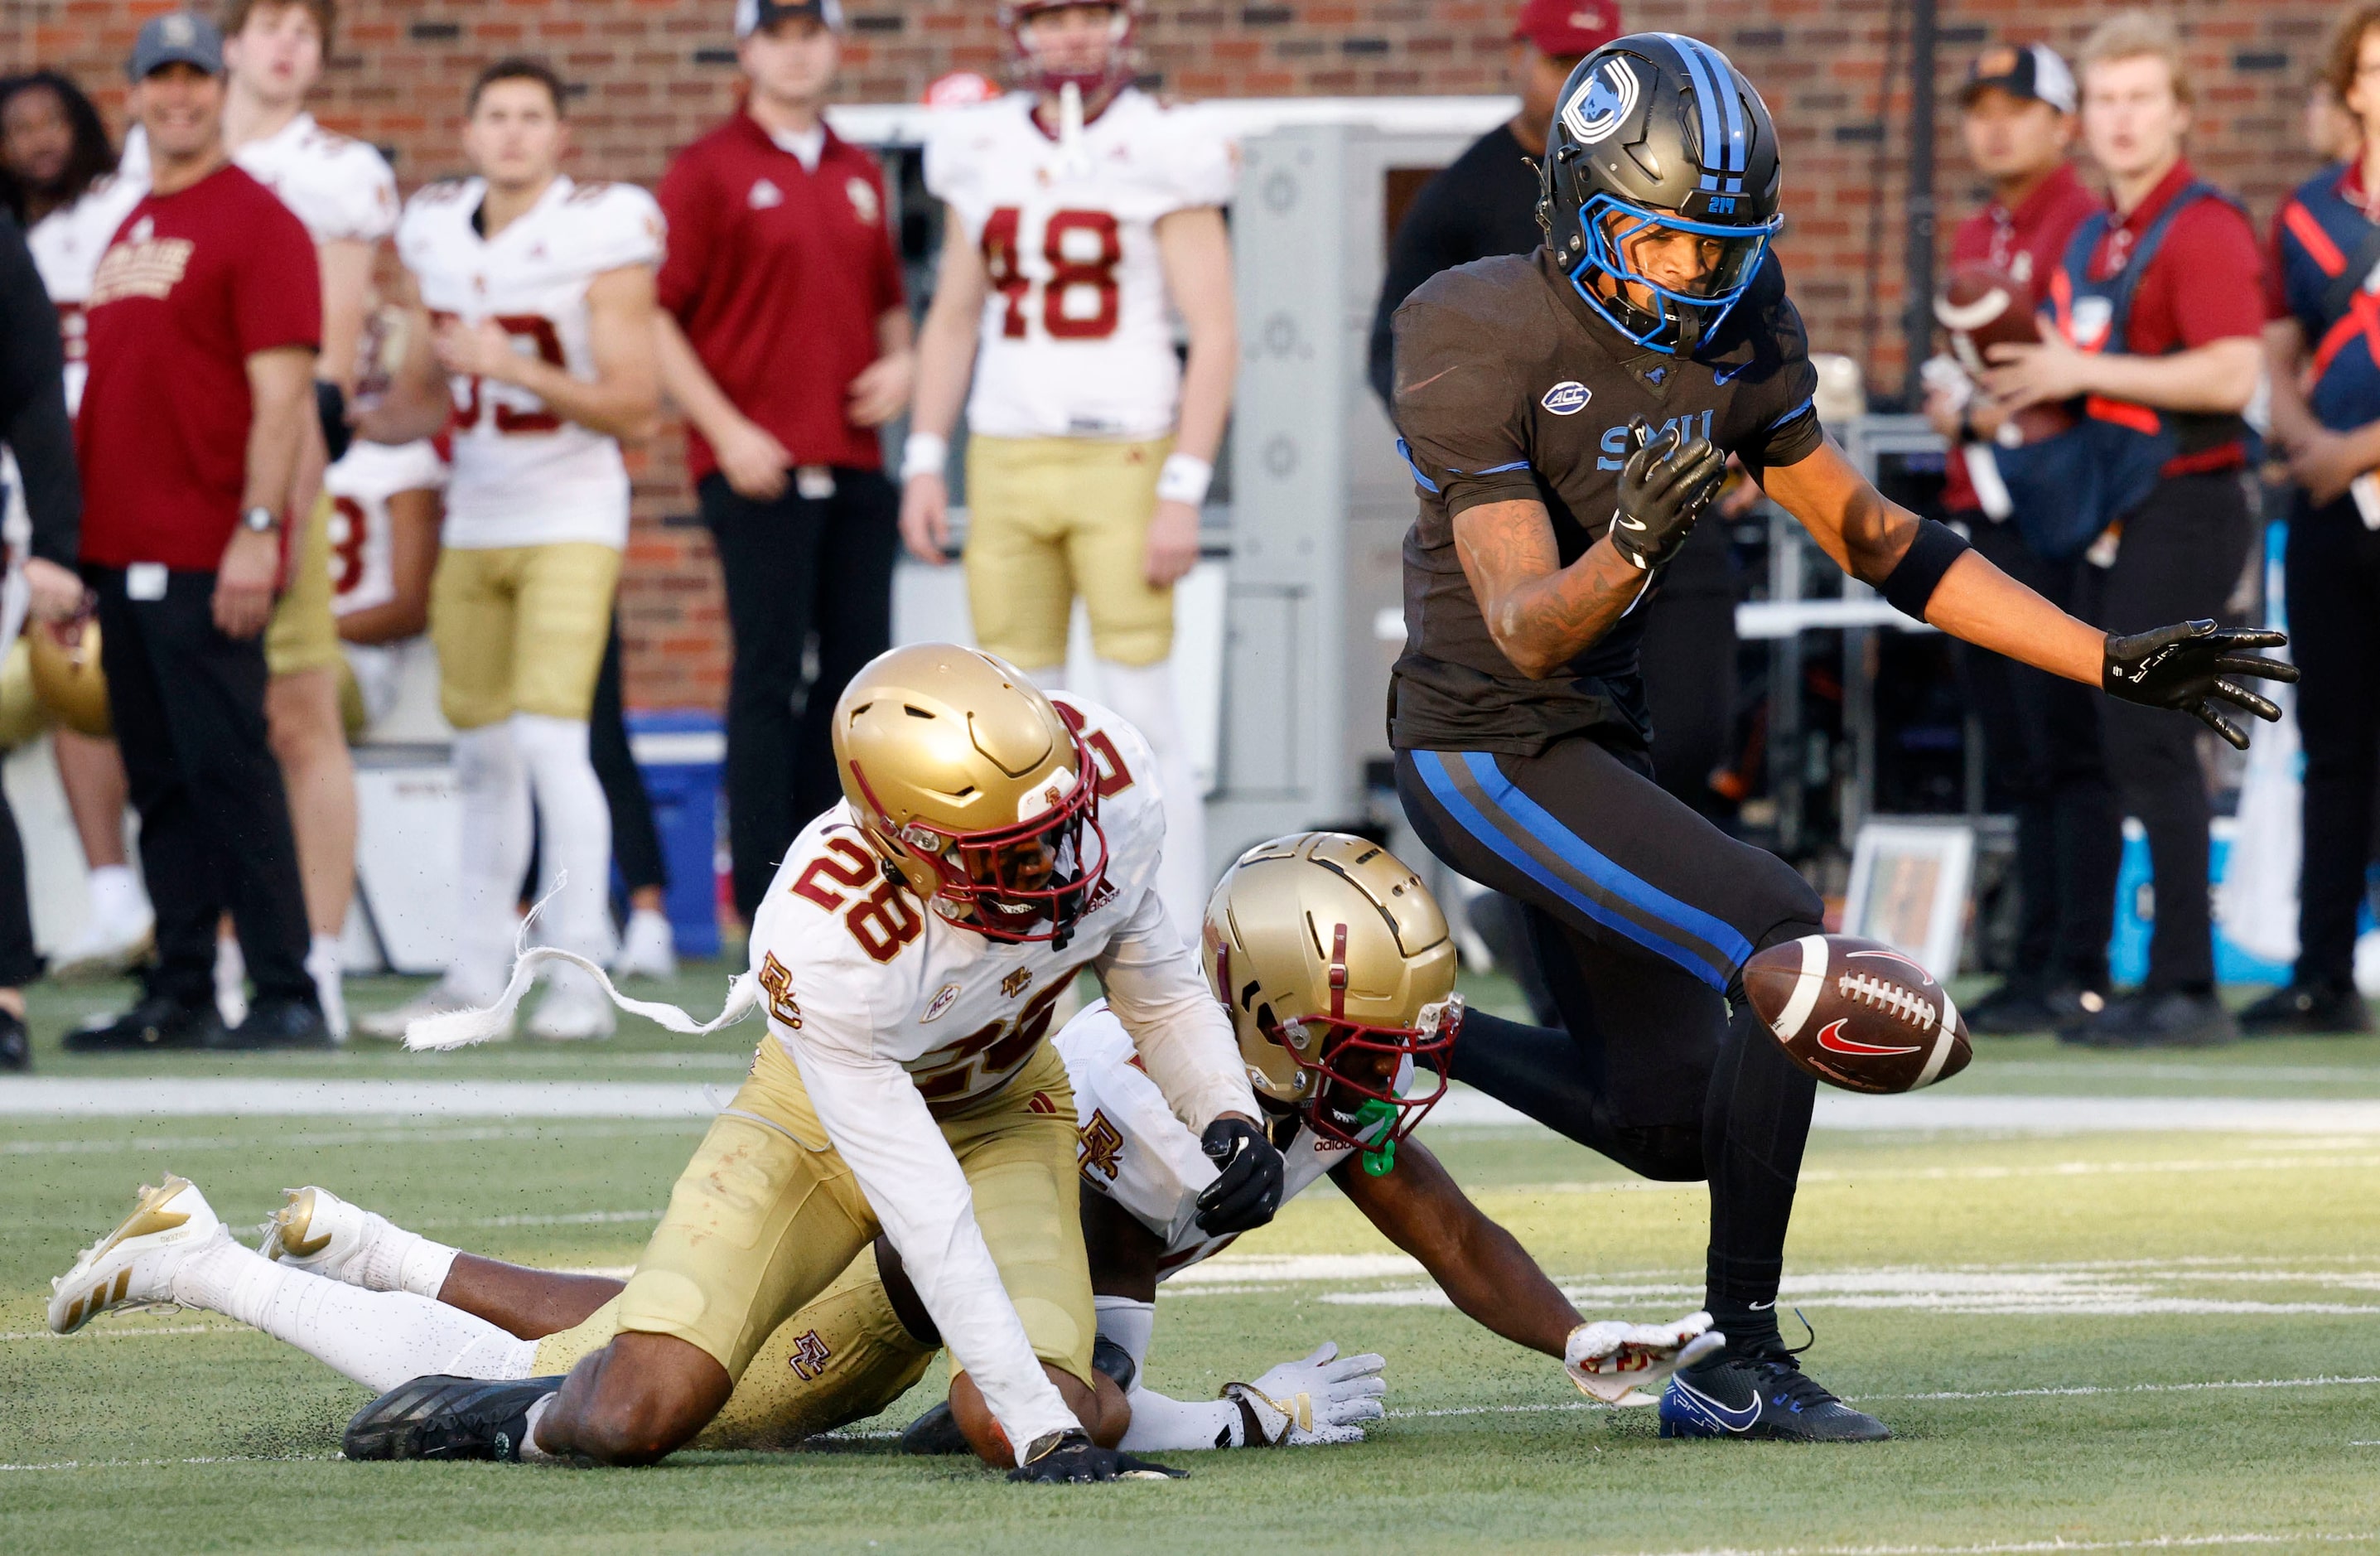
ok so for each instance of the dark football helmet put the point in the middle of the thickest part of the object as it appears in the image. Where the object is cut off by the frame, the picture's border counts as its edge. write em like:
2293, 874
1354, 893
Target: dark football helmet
1660, 134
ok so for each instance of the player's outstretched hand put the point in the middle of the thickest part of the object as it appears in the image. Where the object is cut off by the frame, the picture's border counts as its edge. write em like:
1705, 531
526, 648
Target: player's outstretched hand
2191, 666
1071, 1458
1611, 1361
1664, 487
1246, 1189
1325, 1398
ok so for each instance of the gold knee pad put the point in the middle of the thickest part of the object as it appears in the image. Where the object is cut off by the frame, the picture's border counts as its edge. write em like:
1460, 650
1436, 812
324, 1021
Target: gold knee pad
302, 633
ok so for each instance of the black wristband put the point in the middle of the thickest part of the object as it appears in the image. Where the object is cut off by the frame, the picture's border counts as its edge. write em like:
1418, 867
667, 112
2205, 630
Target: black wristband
1914, 578
331, 405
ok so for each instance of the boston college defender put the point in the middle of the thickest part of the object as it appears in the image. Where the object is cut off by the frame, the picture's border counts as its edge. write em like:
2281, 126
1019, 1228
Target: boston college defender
542, 293
1082, 216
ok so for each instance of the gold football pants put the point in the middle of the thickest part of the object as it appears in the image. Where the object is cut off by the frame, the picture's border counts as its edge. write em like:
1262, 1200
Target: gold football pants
1050, 518
521, 629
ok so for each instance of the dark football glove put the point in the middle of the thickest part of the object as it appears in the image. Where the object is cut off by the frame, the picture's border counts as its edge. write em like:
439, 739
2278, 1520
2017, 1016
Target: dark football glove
1071, 1458
1246, 1190
1664, 487
2189, 665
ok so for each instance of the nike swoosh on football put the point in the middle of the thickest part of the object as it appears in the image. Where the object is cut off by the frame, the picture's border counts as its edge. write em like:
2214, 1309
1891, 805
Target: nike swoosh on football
1733, 1420
1831, 1038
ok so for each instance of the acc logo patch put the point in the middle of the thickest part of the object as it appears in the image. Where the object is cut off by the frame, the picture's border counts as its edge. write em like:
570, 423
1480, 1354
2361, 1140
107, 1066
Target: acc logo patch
942, 1002
1602, 104
1568, 397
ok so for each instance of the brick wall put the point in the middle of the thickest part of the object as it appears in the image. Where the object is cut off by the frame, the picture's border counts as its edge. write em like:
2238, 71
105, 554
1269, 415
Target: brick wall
654, 72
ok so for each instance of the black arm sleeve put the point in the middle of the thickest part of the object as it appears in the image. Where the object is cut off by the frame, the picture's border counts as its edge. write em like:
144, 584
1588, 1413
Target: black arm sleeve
33, 404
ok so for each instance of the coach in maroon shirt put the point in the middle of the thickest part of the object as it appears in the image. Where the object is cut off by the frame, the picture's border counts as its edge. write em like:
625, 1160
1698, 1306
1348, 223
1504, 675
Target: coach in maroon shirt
2041, 733
2179, 363
203, 325
786, 341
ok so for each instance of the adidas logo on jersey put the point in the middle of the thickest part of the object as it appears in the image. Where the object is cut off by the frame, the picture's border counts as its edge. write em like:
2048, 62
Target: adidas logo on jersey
765, 195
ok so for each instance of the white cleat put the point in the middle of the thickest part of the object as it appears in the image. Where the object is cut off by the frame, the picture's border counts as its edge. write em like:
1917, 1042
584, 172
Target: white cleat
575, 1009
134, 1265
317, 1231
646, 949
439, 999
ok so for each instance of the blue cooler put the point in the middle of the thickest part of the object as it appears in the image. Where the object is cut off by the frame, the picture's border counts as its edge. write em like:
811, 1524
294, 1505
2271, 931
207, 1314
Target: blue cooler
681, 753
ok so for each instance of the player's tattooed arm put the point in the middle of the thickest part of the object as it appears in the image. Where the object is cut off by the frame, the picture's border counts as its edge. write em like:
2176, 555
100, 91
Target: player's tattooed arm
1540, 613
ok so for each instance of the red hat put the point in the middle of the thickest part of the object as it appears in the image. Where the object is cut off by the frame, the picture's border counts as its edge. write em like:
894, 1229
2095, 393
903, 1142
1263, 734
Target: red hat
1567, 27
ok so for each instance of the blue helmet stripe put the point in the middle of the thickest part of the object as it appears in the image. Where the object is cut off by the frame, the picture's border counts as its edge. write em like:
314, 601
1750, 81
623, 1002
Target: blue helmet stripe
1706, 100
1723, 81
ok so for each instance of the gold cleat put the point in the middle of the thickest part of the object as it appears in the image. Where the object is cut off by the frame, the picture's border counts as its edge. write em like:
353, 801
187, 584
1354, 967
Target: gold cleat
133, 1265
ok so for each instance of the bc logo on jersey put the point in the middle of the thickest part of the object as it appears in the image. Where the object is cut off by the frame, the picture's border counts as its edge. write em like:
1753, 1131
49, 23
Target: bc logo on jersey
1567, 398
1603, 103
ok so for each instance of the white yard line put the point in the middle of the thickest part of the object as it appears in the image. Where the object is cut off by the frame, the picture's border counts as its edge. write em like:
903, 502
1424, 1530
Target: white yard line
2013, 1548
211, 1459
1564, 1408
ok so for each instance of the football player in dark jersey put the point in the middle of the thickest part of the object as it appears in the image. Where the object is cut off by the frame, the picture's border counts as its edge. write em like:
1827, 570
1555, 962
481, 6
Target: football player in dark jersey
1568, 415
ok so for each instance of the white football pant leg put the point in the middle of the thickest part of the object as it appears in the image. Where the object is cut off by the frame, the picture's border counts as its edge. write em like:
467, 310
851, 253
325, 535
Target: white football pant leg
495, 842
575, 837
1143, 696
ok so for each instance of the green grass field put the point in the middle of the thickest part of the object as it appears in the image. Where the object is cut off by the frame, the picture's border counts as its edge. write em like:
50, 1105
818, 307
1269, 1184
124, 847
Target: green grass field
2082, 1341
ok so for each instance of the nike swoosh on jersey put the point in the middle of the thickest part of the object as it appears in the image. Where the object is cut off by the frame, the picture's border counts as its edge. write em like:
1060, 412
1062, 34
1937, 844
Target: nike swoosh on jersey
1831, 1038
1713, 1410
1725, 375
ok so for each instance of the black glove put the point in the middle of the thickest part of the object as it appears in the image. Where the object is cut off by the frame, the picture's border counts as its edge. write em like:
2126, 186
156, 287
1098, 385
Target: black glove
1247, 1190
331, 408
2188, 665
1070, 1457
1663, 489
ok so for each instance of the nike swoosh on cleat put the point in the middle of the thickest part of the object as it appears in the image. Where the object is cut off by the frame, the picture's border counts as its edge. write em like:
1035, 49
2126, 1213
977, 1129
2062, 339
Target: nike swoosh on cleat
1711, 1410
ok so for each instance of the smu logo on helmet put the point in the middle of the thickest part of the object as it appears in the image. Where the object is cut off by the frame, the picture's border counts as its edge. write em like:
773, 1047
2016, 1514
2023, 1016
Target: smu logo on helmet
1568, 397
1602, 102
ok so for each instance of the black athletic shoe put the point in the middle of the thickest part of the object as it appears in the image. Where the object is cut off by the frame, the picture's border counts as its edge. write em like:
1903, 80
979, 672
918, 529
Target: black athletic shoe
441, 1417
1764, 1395
279, 1023
157, 1022
2073, 1005
2174, 1018
2306, 1010
2019, 1005
937, 1431
16, 1044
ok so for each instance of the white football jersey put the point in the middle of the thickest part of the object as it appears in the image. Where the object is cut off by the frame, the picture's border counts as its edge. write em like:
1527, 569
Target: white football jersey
363, 571
341, 188
894, 1015
523, 476
1137, 1153
1078, 335
66, 245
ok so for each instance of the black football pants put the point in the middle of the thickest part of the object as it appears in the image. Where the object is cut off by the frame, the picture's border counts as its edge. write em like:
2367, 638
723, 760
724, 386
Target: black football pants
2180, 557
794, 567
2043, 755
188, 708
1643, 914
2334, 594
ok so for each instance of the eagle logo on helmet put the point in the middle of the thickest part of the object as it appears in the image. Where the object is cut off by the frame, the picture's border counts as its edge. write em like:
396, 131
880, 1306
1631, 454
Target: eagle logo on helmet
1602, 102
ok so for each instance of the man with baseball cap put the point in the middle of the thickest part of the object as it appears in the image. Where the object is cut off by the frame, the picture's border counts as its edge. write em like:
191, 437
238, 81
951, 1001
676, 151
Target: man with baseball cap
203, 325
2041, 733
785, 340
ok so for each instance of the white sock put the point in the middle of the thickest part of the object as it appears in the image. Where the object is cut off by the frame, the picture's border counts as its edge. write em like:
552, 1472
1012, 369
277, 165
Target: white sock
1143, 696
1160, 1425
115, 894
495, 842
577, 836
378, 1338
396, 1259
323, 965
530, 1453
1128, 1323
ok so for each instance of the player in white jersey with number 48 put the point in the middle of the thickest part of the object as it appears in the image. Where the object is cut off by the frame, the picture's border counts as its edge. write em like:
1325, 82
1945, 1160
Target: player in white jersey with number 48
542, 290
1083, 217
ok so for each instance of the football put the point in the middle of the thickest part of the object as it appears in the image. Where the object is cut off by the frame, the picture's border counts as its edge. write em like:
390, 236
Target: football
1857, 1014
1981, 305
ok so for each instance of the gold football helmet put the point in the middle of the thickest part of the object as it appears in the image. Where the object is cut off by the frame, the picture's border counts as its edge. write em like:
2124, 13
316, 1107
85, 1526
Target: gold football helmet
21, 714
1339, 971
68, 676
975, 788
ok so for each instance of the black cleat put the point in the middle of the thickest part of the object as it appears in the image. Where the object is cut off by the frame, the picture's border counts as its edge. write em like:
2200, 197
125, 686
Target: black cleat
937, 1431
1765, 1394
16, 1044
2307, 1010
157, 1022
276, 1024
441, 1417
2175, 1018
2019, 1005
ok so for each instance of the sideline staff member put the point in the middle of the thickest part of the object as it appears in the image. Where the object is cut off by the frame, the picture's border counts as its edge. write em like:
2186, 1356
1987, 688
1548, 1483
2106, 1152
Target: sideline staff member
2041, 735
2325, 348
203, 322
785, 340
2181, 362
